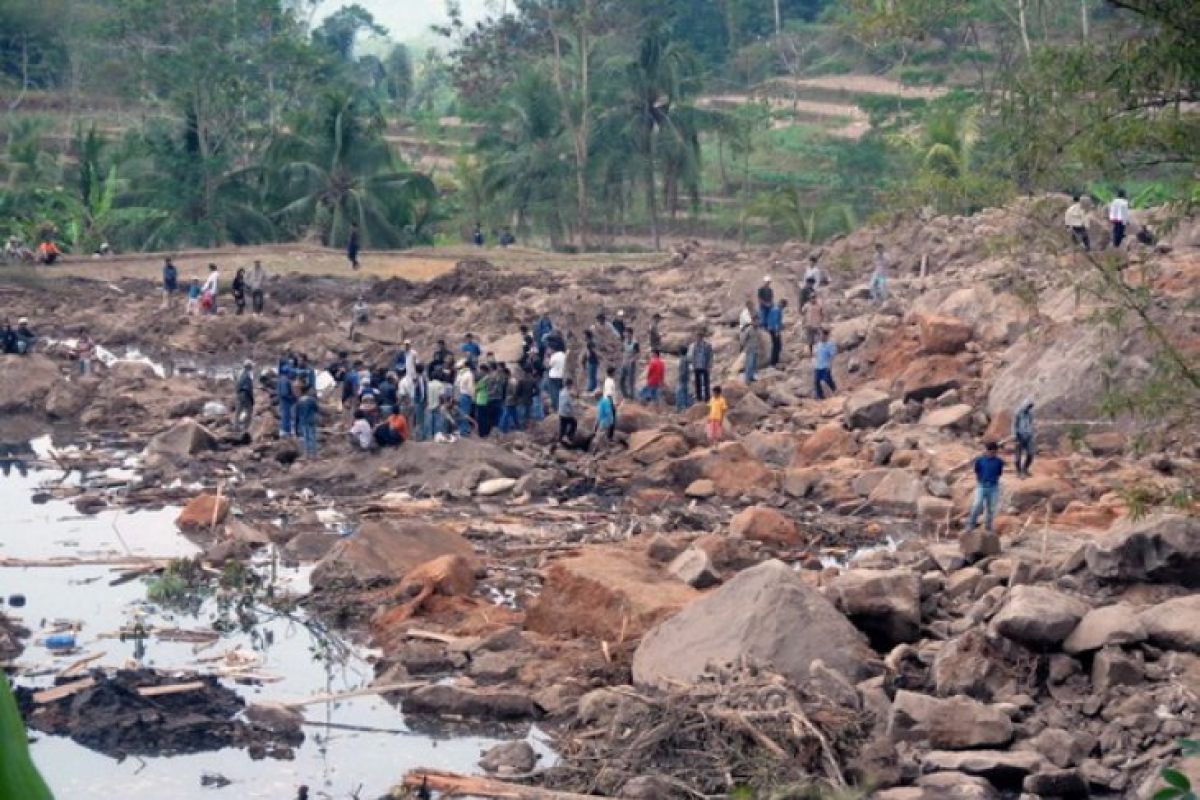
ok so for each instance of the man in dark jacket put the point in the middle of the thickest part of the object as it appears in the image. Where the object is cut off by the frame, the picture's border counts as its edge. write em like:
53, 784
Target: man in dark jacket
245, 396
700, 355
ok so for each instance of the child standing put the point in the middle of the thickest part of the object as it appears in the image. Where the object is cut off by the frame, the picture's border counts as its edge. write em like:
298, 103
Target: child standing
193, 301
717, 408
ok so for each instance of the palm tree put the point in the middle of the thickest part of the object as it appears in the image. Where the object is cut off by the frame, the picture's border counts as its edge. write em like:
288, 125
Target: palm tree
336, 169
654, 124
526, 157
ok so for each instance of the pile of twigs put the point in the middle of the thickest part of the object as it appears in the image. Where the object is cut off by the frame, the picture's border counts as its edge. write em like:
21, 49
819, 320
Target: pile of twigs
741, 728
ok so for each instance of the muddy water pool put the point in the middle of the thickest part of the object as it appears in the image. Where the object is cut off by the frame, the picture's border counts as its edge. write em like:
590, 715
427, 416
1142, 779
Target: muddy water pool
333, 761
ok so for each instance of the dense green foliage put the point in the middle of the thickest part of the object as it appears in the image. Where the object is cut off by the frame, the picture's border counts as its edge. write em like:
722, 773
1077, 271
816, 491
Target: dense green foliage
580, 123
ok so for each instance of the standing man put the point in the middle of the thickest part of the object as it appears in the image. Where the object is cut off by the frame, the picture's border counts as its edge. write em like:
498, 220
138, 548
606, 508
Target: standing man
813, 271
823, 366
567, 423
471, 351
775, 329
988, 469
464, 386
655, 334
420, 403
556, 374
701, 356
807, 292
879, 290
629, 358
256, 282
352, 246
656, 376
1076, 221
287, 403
751, 343
238, 288
308, 409
682, 376
591, 361
814, 322
1118, 217
208, 293
245, 396
766, 299
1022, 430
170, 283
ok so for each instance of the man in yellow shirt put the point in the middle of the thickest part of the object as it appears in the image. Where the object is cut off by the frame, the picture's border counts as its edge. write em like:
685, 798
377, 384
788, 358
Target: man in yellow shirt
717, 408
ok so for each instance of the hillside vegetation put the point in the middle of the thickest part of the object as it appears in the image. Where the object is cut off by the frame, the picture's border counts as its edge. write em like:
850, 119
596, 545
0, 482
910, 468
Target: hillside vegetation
581, 124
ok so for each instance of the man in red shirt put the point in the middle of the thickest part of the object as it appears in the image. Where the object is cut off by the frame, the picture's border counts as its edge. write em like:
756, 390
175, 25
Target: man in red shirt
656, 374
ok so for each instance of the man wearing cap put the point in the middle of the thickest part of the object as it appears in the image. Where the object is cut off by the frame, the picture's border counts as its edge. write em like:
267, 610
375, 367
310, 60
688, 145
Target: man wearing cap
766, 299
245, 396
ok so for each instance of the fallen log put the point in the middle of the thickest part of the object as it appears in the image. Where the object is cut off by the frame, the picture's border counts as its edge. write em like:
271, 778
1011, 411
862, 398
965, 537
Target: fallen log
456, 785
66, 690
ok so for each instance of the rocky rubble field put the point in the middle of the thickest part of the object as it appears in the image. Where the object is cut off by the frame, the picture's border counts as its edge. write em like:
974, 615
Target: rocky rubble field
795, 605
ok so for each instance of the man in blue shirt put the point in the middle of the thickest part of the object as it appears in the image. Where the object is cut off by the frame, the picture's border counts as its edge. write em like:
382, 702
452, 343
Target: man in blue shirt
471, 351
170, 283
823, 366
988, 468
775, 329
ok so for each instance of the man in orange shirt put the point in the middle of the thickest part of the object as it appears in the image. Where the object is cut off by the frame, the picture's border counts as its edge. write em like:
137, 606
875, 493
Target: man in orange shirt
393, 431
48, 252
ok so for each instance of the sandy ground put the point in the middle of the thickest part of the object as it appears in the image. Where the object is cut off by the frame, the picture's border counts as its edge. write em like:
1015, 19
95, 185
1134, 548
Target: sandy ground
416, 265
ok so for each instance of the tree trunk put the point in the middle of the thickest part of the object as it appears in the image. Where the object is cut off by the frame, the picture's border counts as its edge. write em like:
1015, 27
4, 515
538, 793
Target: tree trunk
651, 196
1023, 23
1084, 22
778, 19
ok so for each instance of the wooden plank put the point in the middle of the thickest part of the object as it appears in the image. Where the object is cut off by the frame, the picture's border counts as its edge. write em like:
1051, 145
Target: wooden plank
78, 664
173, 688
60, 692
364, 692
473, 786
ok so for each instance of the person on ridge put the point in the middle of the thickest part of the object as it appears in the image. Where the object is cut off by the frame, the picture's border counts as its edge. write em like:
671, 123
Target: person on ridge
1023, 430
238, 289
751, 344
879, 275
567, 423
208, 293
700, 355
814, 322
1076, 222
656, 376
170, 283
988, 469
352, 246
683, 400
287, 403
775, 329
308, 410
1118, 217
256, 282
766, 299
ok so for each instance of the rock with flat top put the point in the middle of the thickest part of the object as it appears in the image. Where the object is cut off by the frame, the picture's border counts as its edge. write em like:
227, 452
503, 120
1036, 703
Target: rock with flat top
1038, 615
1164, 548
1117, 624
955, 723
1174, 624
883, 604
866, 408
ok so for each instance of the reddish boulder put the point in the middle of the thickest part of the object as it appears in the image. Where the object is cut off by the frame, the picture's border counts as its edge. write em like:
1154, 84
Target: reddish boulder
929, 377
203, 512
730, 467
943, 334
766, 525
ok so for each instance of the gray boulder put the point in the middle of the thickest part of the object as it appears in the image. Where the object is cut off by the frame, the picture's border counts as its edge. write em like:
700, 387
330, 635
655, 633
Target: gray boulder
884, 604
866, 408
1174, 624
181, 440
956, 723
765, 614
1115, 624
1162, 548
1038, 615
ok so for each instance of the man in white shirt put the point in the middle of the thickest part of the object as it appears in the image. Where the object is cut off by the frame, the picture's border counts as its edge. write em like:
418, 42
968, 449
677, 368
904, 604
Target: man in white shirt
1076, 220
879, 290
360, 431
610, 385
464, 386
1118, 217
814, 272
208, 293
556, 373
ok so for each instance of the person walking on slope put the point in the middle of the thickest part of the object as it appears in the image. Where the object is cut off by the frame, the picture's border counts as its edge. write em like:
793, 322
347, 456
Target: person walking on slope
879, 291
775, 329
238, 289
700, 354
308, 409
1022, 430
556, 374
629, 359
988, 468
718, 407
245, 397
823, 366
684, 370
352, 246
766, 299
1118, 217
591, 361
606, 417
1076, 221
208, 294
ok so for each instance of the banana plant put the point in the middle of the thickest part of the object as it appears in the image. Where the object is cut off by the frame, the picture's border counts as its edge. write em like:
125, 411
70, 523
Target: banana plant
19, 778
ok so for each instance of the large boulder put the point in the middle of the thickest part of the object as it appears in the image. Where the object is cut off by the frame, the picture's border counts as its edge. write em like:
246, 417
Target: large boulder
1003, 768
605, 592
766, 614
897, 492
652, 446
1038, 615
387, 549
1160, 548
866, 408
766, 525
884, 604
943, 334
929, 377
25, 382
955, 417
1117, 624
183, 439
730, 467
956, 723
826, 442
996, 317
202, 512
1174, 624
